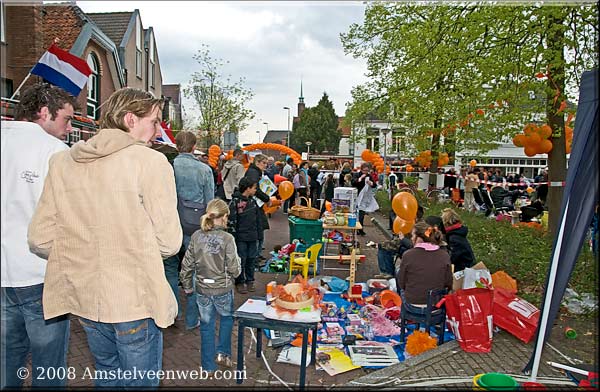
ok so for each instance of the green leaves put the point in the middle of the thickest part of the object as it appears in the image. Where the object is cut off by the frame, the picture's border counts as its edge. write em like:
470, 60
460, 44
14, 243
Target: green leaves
220, 103
318, 125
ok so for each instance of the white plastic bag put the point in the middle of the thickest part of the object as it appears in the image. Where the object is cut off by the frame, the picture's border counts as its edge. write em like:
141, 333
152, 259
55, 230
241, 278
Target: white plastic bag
477, 278
366, 200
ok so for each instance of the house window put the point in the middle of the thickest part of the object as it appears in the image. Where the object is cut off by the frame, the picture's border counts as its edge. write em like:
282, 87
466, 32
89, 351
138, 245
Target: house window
3, 28
93, 87
74, 136
152, 61
373, 139
397, 142
138, 48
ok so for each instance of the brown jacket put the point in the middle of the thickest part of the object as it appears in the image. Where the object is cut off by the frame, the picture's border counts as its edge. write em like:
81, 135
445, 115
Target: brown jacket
423, 270
105, 220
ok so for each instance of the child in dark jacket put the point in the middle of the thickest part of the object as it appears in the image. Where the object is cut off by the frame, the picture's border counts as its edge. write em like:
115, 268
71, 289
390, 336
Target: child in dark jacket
461, 253
244, 222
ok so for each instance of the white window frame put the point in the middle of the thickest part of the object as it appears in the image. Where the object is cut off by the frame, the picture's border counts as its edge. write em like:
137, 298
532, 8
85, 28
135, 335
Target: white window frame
3, 23
138, 48
93, 81
152, 61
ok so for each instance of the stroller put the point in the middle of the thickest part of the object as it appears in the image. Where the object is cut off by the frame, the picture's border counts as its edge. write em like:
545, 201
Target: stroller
479, 203
489, 204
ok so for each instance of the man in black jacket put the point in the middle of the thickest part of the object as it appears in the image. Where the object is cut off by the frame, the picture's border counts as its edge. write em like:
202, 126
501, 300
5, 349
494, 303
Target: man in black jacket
255, 174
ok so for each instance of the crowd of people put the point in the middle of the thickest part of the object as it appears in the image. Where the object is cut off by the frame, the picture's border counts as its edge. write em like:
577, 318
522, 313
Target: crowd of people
109, 229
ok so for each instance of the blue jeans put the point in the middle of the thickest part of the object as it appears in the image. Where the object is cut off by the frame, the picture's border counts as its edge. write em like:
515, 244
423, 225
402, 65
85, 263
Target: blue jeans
208, 306
171, 265
136, 346
247, 250
191, 309
24, 330
385, 261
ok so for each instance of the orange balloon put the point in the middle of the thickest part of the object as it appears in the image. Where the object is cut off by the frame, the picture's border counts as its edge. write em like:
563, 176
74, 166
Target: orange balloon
533, 140
279, 179
518, 140
286, 190
402, 226
405, 206
530, 151
545, 131
545, 146
409, 168
473, 163
366, 155
328, 206
529, 189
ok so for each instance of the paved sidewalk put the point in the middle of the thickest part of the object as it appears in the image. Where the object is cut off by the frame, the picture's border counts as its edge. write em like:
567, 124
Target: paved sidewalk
444, 367
449, 367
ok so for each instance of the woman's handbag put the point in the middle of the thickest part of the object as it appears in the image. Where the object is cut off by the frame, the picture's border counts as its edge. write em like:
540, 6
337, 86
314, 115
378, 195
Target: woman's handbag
190, 213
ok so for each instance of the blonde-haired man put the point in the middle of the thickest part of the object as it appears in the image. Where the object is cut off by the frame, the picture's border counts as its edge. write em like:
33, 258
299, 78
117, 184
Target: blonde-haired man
105, 220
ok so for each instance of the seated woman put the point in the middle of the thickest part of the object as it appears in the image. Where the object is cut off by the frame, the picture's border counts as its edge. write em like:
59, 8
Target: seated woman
424, 267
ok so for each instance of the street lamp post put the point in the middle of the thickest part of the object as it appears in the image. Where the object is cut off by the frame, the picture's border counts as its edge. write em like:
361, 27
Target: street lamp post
289, 131
258, 134
385, 134
308, 144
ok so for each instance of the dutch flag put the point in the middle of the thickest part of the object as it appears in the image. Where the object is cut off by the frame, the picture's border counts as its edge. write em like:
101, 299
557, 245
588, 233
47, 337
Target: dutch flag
63, 69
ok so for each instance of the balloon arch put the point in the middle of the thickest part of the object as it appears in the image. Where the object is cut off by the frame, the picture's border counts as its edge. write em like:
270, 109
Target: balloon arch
270, 146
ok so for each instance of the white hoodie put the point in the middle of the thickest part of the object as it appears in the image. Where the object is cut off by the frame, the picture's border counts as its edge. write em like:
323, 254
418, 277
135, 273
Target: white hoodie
26, 150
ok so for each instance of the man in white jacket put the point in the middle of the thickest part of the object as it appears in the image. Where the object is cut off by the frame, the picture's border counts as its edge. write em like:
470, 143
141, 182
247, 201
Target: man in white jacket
43, 117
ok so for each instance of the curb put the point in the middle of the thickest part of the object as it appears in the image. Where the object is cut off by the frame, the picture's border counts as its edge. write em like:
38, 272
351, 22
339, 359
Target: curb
381, 226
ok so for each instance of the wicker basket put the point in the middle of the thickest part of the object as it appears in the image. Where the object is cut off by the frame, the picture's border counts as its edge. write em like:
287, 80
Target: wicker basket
293, 289
304, 212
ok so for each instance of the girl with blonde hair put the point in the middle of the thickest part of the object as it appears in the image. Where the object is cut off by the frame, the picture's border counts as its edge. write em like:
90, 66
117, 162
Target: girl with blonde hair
461, 253
212, 257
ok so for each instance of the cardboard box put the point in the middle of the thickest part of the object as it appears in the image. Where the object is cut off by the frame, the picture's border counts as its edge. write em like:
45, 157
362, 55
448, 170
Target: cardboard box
457, 281
346, 193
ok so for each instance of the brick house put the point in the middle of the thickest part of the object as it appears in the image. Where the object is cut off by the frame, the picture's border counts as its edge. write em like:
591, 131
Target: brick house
172, 108
110, 43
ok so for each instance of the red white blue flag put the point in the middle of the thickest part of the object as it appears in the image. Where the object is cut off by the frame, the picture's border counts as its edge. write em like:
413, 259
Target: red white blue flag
166, 136
63, 69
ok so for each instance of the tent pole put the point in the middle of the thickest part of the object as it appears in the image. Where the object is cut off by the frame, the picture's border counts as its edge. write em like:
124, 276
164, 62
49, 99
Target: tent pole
548, 299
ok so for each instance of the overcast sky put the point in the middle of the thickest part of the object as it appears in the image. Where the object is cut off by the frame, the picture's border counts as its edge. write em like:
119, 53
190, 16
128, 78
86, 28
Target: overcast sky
272, 44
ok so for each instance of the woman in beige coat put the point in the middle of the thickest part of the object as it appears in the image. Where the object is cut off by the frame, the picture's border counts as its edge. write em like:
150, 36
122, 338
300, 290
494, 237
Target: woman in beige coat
106, 218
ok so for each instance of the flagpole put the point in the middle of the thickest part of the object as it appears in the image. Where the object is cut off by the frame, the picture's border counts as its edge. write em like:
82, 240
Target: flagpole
21, 85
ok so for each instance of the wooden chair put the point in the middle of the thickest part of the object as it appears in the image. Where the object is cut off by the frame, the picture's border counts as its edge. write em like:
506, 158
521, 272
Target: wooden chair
299, 260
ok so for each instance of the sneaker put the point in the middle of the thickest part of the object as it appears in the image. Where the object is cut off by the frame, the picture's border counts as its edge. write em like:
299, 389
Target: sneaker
371, 243
241, 288
251, 287
224, 360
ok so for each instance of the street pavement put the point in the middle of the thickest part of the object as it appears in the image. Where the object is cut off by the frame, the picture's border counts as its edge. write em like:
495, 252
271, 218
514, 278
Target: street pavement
444, 367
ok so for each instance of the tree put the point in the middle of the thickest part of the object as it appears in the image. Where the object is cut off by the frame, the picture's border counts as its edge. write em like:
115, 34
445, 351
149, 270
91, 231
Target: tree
318, 125
221, 104
462, 73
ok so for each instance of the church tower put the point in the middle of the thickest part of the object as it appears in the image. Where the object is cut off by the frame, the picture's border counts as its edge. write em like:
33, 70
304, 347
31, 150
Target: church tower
301, 105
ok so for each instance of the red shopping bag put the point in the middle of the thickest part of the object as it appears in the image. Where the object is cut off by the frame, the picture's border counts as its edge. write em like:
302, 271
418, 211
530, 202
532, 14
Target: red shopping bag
515, 315
469, 315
